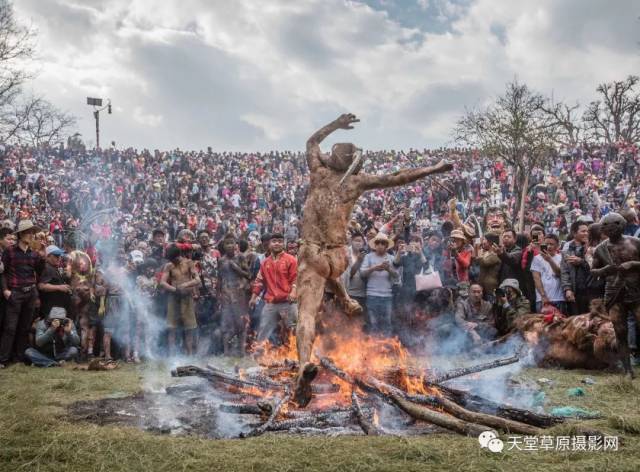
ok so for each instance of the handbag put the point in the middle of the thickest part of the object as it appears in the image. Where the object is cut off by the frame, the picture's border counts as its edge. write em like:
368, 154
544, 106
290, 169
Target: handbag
428, 281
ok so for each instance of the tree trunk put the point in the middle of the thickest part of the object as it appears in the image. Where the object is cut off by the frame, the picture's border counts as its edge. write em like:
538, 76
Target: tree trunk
523, 198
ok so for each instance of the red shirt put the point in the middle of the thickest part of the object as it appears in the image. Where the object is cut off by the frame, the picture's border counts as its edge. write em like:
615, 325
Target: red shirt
277, 277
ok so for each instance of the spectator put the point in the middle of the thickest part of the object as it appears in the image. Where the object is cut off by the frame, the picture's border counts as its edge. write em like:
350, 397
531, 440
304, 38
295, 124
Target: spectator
277, 277
21, 266
575, 271
377, 269
56, 340
510, 304
352, 280
474, 316
53, 288
461, 253
510, 256
546, 275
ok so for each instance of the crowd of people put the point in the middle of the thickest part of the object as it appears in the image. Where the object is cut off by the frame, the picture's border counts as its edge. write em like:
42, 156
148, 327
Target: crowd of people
124, 253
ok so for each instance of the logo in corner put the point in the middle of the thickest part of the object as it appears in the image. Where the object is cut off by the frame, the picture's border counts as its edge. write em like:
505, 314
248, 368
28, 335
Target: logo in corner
489, 440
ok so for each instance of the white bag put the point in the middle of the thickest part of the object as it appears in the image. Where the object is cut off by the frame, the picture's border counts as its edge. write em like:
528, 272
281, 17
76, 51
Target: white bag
428, 281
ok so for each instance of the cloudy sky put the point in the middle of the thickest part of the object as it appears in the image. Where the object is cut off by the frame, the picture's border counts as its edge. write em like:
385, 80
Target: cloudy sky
264, 74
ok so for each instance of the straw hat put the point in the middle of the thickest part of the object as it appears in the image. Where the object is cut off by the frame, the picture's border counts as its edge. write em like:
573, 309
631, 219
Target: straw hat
381, 237
26, 225
457, 234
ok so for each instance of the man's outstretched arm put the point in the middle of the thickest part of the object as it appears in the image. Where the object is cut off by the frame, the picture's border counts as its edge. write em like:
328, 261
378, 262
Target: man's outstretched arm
314, 154
369, 182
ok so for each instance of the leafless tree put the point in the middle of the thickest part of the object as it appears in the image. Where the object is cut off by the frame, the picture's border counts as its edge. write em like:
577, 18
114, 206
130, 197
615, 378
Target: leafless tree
17, 43
38, 122
569, 128
515, 128
616, 116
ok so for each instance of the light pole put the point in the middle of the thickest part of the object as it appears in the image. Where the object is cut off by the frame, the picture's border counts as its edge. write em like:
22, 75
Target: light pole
96, 103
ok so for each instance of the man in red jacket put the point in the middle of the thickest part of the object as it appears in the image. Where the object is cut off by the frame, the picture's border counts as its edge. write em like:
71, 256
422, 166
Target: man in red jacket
277, 277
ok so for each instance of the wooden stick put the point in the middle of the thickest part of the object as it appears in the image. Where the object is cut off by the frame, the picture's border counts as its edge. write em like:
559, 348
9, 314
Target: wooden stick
274, 413
369, 428
452, 374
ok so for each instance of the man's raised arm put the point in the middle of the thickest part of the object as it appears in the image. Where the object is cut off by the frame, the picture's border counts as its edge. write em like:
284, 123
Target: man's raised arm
402, 177
314, 154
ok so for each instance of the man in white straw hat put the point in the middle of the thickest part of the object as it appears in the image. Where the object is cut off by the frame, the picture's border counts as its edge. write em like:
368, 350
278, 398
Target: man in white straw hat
380, 273
21, 266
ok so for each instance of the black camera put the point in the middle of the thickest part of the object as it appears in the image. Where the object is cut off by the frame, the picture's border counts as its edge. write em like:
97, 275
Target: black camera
63, 321
500, 293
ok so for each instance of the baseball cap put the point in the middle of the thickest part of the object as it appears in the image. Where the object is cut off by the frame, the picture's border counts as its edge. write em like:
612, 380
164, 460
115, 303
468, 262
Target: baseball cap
53, 250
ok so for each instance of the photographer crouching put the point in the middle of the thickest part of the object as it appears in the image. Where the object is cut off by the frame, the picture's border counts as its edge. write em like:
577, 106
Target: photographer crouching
510, 304
56, 340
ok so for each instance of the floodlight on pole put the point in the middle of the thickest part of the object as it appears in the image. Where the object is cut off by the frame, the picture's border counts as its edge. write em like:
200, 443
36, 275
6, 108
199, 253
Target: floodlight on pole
97, 102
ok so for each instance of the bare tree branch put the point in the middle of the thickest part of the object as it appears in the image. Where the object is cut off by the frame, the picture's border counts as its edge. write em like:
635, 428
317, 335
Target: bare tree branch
616, 116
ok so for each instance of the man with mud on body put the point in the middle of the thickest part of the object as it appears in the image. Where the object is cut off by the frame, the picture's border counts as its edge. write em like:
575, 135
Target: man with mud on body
618, 260
336, 184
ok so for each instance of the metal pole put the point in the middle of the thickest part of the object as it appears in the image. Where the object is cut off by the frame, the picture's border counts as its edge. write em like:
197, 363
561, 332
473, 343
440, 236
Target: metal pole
97, 114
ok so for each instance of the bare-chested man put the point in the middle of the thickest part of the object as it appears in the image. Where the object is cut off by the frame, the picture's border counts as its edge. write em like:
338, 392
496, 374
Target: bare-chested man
618, 259
327, 211
179, 279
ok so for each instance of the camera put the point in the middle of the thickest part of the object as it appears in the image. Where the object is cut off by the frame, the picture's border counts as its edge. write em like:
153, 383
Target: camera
543, 247
500, 293
63, 321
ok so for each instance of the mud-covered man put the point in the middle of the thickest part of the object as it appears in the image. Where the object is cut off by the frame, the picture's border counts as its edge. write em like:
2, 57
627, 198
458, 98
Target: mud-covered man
618, 260
179, 279
336, 184
233, 294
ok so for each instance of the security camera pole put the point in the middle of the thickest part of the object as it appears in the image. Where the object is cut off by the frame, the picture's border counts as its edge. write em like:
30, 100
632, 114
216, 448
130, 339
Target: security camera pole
97, 102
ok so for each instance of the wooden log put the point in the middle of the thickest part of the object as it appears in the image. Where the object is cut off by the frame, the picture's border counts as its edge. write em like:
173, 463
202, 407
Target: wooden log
246, 408
396, 396
272, 417
254, 380
455, 373
368, 427
321, 420
439, 419
483, 405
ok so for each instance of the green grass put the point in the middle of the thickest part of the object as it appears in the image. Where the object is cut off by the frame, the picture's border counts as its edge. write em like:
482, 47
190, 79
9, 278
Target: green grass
34, 434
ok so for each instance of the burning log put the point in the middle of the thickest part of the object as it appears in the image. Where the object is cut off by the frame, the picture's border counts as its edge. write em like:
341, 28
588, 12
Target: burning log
274, 413
215, 376
261, 408
416, 411
369, 427
318, 420
455, 373
254, 380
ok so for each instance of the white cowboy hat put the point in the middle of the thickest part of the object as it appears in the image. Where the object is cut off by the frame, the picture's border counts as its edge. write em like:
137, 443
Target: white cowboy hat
381, 237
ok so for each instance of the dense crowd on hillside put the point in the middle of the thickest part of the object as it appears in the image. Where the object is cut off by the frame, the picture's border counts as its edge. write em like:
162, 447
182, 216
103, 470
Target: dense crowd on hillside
98, 245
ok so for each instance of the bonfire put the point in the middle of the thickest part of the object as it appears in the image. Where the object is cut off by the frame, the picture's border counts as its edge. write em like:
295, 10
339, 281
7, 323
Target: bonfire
360, 376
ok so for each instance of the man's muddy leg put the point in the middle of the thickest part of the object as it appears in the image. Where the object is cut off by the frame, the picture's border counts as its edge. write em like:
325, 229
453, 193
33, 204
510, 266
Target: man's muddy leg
350, 306
618, 315
310, 292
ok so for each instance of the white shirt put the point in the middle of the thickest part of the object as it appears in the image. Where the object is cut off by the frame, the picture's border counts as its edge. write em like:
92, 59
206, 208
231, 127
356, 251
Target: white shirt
550, 282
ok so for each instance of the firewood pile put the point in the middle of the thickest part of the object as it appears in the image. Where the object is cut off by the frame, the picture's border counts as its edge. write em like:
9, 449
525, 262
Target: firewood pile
348, 402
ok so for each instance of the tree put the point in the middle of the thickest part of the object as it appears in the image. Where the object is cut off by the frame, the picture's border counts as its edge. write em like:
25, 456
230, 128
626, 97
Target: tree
616, 116
515, 128
564, 118
16, 48
38, 122
23, 119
